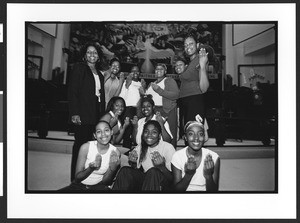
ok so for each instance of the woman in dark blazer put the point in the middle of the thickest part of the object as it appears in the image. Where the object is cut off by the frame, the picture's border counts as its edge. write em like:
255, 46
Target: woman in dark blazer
86, 97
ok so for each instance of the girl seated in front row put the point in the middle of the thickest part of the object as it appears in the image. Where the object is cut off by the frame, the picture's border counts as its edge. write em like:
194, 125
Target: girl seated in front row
195, 168
150, 163
98, 162
148, 111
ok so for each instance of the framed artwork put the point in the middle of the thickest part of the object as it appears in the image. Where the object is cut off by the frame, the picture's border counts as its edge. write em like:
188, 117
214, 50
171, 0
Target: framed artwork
250, 75
34, 66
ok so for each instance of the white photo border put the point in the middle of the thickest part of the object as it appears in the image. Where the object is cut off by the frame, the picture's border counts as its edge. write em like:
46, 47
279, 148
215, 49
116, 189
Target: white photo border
143, 206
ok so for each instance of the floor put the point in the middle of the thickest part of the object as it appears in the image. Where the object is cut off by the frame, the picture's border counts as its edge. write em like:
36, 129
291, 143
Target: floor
243, 168
210, 142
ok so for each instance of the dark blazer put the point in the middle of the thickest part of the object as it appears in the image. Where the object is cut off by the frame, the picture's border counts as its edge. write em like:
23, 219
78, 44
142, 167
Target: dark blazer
81, 95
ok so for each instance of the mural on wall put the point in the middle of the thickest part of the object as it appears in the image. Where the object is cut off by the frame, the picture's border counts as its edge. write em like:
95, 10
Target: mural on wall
145, 44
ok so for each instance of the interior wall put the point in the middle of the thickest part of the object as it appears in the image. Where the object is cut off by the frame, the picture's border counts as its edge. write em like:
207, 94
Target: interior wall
41, 44
257, 50
50, 48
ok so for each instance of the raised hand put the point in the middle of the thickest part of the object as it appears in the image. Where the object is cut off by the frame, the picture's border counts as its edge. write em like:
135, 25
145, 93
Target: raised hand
190, 166
208, 168
142, 91
157, 159
126, 122
132, 158
203, 58
143, 83
114, 160
160, 118
97, 163
76, 120
134, 120
114, 120
122, 77
154, 86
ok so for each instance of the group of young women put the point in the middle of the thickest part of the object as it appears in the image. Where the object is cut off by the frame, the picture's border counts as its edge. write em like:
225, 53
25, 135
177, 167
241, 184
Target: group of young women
153, 162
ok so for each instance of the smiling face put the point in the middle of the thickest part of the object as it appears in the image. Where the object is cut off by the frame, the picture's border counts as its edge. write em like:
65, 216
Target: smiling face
115, 67
179, 67
160, 72
195, 136
136, 73
103, 133
147, 109
118, 107
91, 55
151, 135
190, 46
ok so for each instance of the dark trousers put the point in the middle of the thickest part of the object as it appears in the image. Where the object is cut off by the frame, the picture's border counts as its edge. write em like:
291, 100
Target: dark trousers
135, 180
130, 111
172, 121
76, 187
83, 134
191, 106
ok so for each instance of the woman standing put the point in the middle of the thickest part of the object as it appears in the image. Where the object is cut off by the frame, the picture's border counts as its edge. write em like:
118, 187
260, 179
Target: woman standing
112, 83
165, 92
86, 97
131, 94
194, 81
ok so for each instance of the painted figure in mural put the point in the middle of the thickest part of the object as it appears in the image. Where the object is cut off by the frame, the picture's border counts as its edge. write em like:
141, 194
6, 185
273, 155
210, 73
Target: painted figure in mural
194, 81
151, 53
165, 93
131, 94
98, 162
113, 83
86, 97
195, 168
150, 162
115, 117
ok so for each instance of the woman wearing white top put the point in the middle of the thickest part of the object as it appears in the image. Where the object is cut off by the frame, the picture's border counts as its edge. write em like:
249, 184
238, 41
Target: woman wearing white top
165, 92
148, 111
131, 94
98, 162
150, 163
195, 168
115, 117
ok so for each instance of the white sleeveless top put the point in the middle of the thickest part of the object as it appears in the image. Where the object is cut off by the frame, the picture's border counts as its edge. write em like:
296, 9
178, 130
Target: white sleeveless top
155, 96
198, 182
97, 175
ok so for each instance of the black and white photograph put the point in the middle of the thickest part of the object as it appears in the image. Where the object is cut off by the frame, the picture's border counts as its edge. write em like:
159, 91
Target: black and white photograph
154, 103
238, 122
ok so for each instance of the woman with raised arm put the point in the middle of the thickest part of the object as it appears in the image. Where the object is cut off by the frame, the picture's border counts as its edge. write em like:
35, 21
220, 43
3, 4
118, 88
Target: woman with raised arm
194, 81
